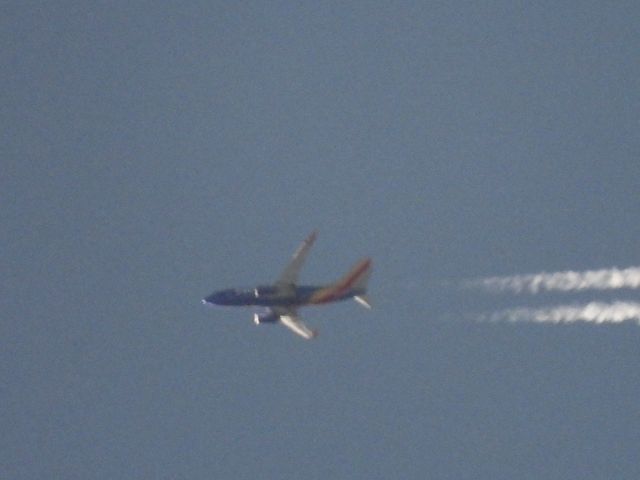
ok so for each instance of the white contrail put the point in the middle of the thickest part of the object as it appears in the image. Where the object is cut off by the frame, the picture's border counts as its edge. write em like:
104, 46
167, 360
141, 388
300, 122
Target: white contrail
594, 312
606, 279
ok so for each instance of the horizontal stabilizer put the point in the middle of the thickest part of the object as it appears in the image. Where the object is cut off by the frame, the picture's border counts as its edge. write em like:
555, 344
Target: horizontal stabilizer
363, 300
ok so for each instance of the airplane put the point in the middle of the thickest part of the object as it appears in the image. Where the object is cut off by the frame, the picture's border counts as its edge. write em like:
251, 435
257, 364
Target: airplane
285, 296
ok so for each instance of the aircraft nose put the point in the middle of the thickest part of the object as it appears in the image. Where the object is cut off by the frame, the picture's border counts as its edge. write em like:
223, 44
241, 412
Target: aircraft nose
214, 298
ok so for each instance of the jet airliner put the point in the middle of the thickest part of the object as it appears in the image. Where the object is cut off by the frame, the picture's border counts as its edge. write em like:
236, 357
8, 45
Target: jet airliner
283, 298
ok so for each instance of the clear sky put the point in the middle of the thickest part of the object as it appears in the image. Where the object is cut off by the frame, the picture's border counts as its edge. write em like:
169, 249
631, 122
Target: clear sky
152, 154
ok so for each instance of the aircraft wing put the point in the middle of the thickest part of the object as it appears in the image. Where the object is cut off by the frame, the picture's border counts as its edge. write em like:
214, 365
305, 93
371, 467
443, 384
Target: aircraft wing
291, 320
290, 274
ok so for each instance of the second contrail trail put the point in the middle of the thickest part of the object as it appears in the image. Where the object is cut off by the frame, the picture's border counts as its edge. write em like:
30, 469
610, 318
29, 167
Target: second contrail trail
593, 312
567, 281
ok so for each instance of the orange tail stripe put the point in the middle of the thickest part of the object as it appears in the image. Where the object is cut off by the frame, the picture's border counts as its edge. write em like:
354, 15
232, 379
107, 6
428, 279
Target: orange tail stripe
330, 293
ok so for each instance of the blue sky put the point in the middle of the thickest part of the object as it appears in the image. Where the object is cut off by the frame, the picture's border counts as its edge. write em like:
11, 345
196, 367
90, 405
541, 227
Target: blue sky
154, 153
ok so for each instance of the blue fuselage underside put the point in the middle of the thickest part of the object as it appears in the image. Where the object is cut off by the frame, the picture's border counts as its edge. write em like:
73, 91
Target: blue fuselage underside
269, 296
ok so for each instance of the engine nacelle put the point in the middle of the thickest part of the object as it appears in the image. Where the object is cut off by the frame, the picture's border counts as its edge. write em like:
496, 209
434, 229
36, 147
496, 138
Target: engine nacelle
270, 317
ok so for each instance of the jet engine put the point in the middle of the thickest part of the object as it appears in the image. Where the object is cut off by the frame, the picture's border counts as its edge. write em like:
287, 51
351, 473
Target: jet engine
268, 317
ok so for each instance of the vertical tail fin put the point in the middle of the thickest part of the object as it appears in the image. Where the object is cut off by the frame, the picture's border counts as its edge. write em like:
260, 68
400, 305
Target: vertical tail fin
360, 285
359, 279
352, 284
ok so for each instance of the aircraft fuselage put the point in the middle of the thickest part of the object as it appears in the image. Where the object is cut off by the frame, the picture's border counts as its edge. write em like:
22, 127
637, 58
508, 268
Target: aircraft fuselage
272, 296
